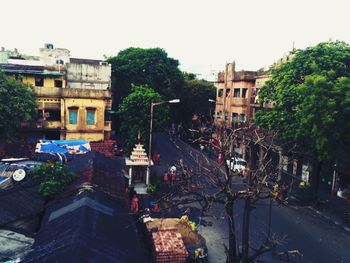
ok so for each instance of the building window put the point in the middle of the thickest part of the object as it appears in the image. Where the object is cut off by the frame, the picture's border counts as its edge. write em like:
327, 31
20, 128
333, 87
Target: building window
73, 116
39, 82
58, 83
220, 93
53, 115
228, 92
242, 118
236, 92
234, 117
244, 93
90, 116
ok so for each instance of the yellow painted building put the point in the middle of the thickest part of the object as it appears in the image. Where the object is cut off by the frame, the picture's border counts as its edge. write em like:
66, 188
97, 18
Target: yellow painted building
66, 113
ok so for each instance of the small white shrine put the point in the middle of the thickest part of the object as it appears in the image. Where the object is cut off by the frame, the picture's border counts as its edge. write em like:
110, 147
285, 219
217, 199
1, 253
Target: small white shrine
139, 169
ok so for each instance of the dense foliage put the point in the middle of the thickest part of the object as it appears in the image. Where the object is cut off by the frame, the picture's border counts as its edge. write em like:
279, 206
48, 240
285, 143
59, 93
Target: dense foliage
17, 105
134, 114
310, 95
194, 100
52, 178
150, 67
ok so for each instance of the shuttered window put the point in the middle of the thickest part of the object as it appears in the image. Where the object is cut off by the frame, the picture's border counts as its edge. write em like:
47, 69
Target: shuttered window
73, 116
90, 117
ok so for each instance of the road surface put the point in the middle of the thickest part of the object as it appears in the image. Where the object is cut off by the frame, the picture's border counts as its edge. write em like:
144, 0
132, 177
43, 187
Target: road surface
318, 238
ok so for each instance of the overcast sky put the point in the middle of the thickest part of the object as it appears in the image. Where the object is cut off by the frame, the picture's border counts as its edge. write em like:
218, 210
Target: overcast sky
202, 35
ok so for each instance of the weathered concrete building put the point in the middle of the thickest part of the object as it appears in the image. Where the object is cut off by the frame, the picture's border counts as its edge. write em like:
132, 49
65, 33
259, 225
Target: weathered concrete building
236, 94
73, 95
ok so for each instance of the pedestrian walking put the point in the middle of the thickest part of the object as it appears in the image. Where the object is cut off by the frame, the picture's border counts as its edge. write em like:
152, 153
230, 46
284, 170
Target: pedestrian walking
166, 178
220, 159
158, 158
155, 208
284, 192
134, 205
173, 178
275, 190
132, 192
172, 169
209, 151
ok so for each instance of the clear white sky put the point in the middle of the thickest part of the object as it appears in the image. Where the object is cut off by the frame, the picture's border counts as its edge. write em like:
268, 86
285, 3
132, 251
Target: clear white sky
203, 35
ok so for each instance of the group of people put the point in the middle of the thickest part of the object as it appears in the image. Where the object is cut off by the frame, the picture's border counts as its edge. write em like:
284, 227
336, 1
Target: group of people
156, 158
134, 202
170, 176
280, 192
206, 149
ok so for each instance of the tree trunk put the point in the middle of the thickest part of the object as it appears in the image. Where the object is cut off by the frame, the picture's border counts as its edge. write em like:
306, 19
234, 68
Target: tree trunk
232, 249
245, 231
280, 166
315, 178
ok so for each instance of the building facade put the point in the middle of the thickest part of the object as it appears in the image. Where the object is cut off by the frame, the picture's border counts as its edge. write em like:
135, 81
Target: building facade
236, 94
73, 95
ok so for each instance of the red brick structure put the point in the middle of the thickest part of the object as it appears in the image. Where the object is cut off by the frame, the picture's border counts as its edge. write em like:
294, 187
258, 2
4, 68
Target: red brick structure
169, 246
105, 147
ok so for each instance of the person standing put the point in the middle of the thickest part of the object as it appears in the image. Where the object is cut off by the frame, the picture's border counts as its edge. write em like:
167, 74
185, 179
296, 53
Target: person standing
173, 178
134, 204
166, 178
284, 192
158, 158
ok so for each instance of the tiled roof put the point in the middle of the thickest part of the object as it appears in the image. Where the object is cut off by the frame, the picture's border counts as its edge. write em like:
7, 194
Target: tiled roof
104, 147
98, 170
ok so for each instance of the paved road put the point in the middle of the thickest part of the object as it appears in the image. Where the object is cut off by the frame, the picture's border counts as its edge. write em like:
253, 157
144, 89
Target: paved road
317, 237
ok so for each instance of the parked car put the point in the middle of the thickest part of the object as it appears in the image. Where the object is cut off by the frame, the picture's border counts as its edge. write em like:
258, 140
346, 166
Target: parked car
237, 164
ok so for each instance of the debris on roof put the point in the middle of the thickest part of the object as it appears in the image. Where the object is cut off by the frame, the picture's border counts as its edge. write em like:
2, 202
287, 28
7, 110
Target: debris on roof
13, 246
63, 146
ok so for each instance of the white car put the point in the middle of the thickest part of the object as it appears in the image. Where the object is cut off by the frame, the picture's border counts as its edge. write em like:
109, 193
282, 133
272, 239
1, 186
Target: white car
237, 164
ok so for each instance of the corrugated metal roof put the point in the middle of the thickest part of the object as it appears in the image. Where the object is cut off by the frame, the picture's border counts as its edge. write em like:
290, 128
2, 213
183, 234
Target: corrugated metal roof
29, 70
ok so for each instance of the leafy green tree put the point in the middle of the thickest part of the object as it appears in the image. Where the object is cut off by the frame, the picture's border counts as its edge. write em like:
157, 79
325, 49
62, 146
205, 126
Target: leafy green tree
150, 67
189, 76
53, 178
194, 99
134, 113
310, 95
17, 105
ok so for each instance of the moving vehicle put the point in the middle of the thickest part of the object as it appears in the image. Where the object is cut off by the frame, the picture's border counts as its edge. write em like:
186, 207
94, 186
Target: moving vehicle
236, 164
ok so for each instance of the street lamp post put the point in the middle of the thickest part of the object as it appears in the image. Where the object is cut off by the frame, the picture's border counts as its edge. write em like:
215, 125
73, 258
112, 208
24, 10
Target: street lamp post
211, 101
153, 104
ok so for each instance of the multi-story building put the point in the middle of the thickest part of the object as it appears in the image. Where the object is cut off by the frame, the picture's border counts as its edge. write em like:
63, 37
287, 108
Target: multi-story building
236, 96
73, 95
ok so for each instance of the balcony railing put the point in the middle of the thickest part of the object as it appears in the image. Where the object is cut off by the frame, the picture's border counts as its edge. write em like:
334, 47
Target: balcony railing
48, 125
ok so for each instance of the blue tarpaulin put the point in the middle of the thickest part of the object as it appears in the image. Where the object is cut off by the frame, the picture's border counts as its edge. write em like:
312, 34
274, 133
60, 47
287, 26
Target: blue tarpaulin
63, 146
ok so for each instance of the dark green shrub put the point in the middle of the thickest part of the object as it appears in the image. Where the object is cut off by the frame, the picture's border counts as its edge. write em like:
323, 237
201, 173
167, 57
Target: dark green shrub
52, 178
